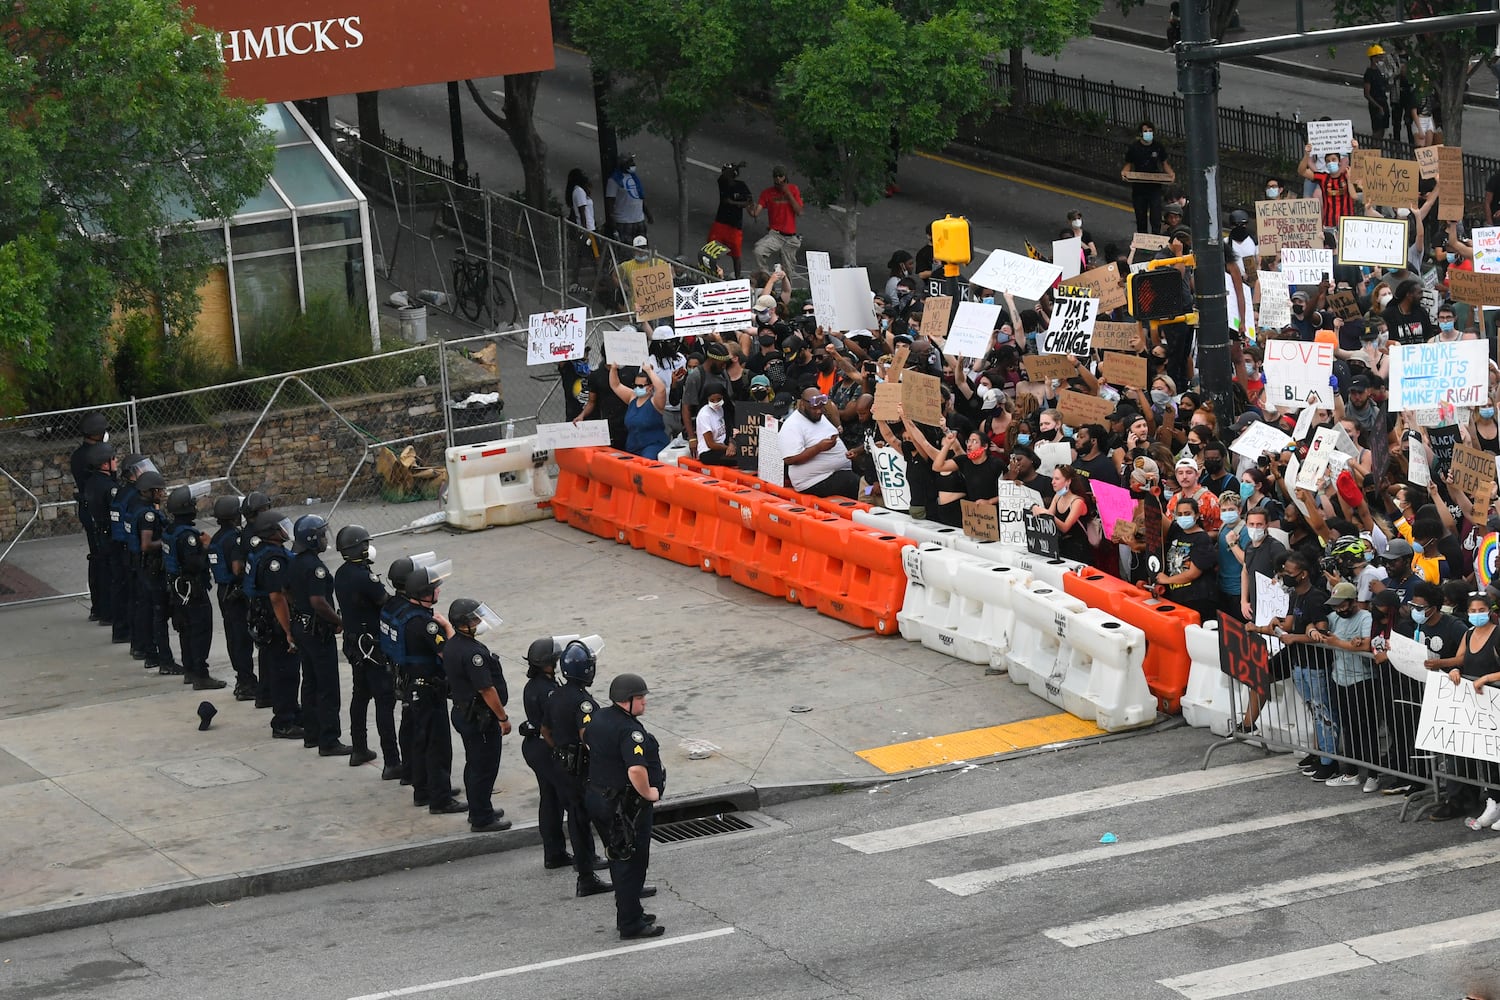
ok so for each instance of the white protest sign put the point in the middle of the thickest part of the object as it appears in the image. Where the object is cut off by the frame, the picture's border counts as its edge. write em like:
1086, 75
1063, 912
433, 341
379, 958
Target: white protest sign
1011, 272
1330, 137
890, 470
714, 307
1427, 375
1275, 301
1271, 602
1459, 721
1015, 501
1407, 656
557, 336
1487, 250
853, 302
1318, 454
1051, 454
1306, 267
1072, 328
1293, 470
1260, 439
1068, 255
770, 466
1304, 422
1372, 242
1418, 462
1298, 369
972, 330
820, 279
625, 347
584, 434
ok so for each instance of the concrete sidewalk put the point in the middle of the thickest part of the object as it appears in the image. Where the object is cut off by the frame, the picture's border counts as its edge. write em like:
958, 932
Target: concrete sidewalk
115, 803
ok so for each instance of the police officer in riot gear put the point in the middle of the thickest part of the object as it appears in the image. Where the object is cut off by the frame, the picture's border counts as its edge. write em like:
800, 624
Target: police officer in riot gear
252, 506
361, 595
626, 780
123, 507
185, 559
226, 564
541, 681
414, 641
147, 529
397, 573
98, 490
270, 618
95, 431
568, 711
315, 623
479, 697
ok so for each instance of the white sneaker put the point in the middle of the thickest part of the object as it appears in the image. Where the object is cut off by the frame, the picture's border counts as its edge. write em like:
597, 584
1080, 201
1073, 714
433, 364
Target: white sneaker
1342, 781
1490, 815
1372, 784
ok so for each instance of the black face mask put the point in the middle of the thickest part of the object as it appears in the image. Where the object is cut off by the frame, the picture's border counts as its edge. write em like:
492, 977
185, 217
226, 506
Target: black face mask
1290, 581
1214, 465
1194, 448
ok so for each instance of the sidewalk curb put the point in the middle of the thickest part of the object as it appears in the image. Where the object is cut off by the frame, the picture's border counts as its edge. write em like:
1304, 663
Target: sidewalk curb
1032, 170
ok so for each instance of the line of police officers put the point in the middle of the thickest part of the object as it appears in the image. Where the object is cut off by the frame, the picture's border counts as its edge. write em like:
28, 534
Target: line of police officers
592, 762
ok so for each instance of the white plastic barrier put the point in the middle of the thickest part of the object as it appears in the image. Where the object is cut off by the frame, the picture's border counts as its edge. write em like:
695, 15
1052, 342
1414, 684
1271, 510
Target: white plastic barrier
1036, 657
498, 482
1109, 654
1042, 568
958, 604
674, 451
1207, 703
892, 522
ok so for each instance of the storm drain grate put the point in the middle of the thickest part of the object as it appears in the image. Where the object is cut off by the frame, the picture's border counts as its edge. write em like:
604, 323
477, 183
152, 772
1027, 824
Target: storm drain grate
696, 829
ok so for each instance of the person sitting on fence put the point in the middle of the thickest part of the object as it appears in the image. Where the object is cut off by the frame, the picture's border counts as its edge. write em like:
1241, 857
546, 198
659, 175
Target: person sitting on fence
1357, 706
817, 462
645, 401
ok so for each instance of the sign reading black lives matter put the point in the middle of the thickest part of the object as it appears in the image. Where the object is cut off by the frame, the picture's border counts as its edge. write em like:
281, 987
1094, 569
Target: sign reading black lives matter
1072, 328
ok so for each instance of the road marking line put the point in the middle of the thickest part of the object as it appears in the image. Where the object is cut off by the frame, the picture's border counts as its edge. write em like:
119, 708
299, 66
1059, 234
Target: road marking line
705, 166
969, 883
974, 743
1345, 956
1062, 806
664, 942
1025, 181
588, 125
1271, 895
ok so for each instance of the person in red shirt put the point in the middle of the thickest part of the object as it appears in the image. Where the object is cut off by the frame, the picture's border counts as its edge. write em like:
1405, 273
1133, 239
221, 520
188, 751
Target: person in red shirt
782, 203
1335, 186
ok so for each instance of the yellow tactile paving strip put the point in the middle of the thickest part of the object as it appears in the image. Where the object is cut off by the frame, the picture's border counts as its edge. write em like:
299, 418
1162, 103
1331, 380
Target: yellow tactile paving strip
975, 743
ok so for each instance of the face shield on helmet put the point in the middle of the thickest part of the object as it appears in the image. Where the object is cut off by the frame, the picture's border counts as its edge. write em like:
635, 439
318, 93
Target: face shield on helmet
201, 489
488, 620
285, 527
140, 467
422, 559
423, 583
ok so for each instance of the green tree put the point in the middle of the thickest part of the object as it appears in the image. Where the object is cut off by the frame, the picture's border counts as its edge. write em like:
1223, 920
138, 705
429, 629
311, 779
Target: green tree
112, 113
517, 120
878, 86
670, 63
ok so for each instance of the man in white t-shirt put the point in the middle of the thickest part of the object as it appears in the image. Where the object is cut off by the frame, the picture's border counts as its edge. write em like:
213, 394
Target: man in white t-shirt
816, 460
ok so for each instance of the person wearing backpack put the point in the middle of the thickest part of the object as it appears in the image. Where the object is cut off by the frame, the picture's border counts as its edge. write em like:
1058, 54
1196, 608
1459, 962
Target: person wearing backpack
185, 558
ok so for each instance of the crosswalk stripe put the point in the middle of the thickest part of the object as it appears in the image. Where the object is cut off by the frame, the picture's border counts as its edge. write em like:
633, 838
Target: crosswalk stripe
1345, 956
969, 883
1062, 806
1150, 919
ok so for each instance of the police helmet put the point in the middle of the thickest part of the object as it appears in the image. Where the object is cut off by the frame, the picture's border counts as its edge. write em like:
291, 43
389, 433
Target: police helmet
268, 522
150, 481
311, 533
94, 425
423, 583
463, 611
99, 455
131, 465
353, 542
180, 502
578, 663
626, 687
254, 505
399, 573
227, 510
542, 653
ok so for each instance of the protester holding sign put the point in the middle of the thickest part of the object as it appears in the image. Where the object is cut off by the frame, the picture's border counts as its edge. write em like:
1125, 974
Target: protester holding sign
1147, 156
1075, 523
1335, 187
645, 402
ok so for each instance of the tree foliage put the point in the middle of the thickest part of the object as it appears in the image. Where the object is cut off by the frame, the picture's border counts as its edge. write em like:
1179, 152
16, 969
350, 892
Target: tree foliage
112, 113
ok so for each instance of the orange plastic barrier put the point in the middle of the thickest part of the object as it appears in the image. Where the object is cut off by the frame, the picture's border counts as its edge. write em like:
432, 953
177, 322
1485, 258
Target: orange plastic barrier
842, 506
1100, 590
582, 500
1167, 663
853, 572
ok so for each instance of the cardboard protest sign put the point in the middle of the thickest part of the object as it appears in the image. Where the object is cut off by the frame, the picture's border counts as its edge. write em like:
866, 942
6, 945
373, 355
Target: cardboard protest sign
557, 336
1014, 501
1042, 367
1330, 137
1372, 242
887, 399
972, 330
651, 291
772, 464
1275, 300
1343, 303
1306, 267
1149, 241
1459, 721
1450, 185
820, 280
1426, 375
713, 307
1072, 327
890, 472
1391, 183
1486, 244
1079, 408
1473, 470
1068, 254
922, 397
1146, 177
1296, 370
1418, 462
1124, 369
1115, 336
1473, 288
1011, 272
585, 434
1427, 161
1041, 535
1106, 285
853, 302
1288, 222
1243, 655
981, 520
936, 314
1260, 439
625, 348
1310, 476
749, 418
1114, 503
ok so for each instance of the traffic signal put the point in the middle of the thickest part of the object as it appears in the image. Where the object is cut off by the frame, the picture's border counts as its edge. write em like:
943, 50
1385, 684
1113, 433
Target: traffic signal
1158, 293
951, 243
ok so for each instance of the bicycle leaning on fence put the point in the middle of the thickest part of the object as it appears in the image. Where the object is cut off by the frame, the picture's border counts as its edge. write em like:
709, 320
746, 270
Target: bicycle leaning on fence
482, 288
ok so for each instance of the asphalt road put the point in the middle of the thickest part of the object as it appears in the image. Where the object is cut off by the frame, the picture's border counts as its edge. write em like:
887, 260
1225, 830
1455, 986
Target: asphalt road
1004, 889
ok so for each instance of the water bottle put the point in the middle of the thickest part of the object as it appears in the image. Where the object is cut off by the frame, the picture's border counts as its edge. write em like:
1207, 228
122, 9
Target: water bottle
510, 429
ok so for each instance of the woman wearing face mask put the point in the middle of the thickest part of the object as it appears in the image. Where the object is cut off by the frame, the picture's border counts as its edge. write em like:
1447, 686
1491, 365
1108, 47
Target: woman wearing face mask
1075, 228
973, 462
1481, 668
715, 445
1049, 427
645, 402
1190, 576
1474, 659
1352, 691
1481, 431
1071, 512
1255, 492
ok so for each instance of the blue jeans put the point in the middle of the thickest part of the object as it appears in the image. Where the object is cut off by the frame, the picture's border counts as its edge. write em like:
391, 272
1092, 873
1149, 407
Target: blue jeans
1312, 685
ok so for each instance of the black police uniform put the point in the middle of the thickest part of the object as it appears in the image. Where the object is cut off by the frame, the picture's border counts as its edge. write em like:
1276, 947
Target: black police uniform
122, 511
224, 552
188, 583
150, 629
249, 544
98, 490
317, 648
471, 667
617, 742
98, 563
389, 612
538, 756
269, 569
568, 710
361, 596
431, 753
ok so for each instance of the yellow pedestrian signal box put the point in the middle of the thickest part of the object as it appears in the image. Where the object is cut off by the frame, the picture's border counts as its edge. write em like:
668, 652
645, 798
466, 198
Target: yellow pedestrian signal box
1161, 292
951, 243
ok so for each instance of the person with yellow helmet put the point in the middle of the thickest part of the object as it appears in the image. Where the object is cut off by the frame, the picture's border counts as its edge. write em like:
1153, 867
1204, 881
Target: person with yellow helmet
1377, 93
